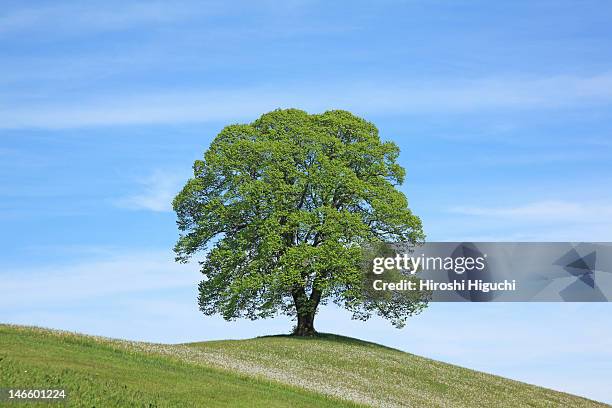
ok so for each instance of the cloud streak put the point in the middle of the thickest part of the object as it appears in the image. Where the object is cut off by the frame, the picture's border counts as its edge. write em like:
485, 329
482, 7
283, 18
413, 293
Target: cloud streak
101, 277
544, 211
157, 192
181, 106
82, 17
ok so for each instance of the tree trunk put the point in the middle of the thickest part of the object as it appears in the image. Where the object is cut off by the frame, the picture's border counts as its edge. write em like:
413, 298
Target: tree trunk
305, 325
306, 310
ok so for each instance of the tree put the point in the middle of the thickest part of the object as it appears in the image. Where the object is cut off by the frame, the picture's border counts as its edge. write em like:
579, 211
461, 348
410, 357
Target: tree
280, 208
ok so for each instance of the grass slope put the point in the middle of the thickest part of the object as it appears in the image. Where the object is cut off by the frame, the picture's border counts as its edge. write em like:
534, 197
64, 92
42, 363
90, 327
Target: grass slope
382, 376
101, 373
275, 371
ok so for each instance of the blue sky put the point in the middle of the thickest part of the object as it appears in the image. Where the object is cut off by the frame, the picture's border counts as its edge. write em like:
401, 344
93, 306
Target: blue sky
502, 111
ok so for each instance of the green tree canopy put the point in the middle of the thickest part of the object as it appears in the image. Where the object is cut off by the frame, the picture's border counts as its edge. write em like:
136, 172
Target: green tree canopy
280, 208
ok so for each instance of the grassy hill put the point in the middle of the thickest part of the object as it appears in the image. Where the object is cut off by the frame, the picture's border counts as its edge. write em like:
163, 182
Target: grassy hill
276, 371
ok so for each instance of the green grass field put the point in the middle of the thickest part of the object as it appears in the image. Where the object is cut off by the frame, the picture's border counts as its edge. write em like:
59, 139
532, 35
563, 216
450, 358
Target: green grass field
276, 371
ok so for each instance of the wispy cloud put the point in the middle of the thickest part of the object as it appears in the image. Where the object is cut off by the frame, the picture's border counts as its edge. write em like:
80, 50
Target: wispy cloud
156, 192
89, 17
544, 211
106, 276
390, 98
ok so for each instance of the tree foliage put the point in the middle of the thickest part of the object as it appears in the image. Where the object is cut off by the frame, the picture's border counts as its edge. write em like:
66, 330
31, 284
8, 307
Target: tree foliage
280, 208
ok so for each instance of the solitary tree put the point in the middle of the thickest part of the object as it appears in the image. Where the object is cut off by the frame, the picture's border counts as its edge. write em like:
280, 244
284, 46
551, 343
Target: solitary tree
280, 208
